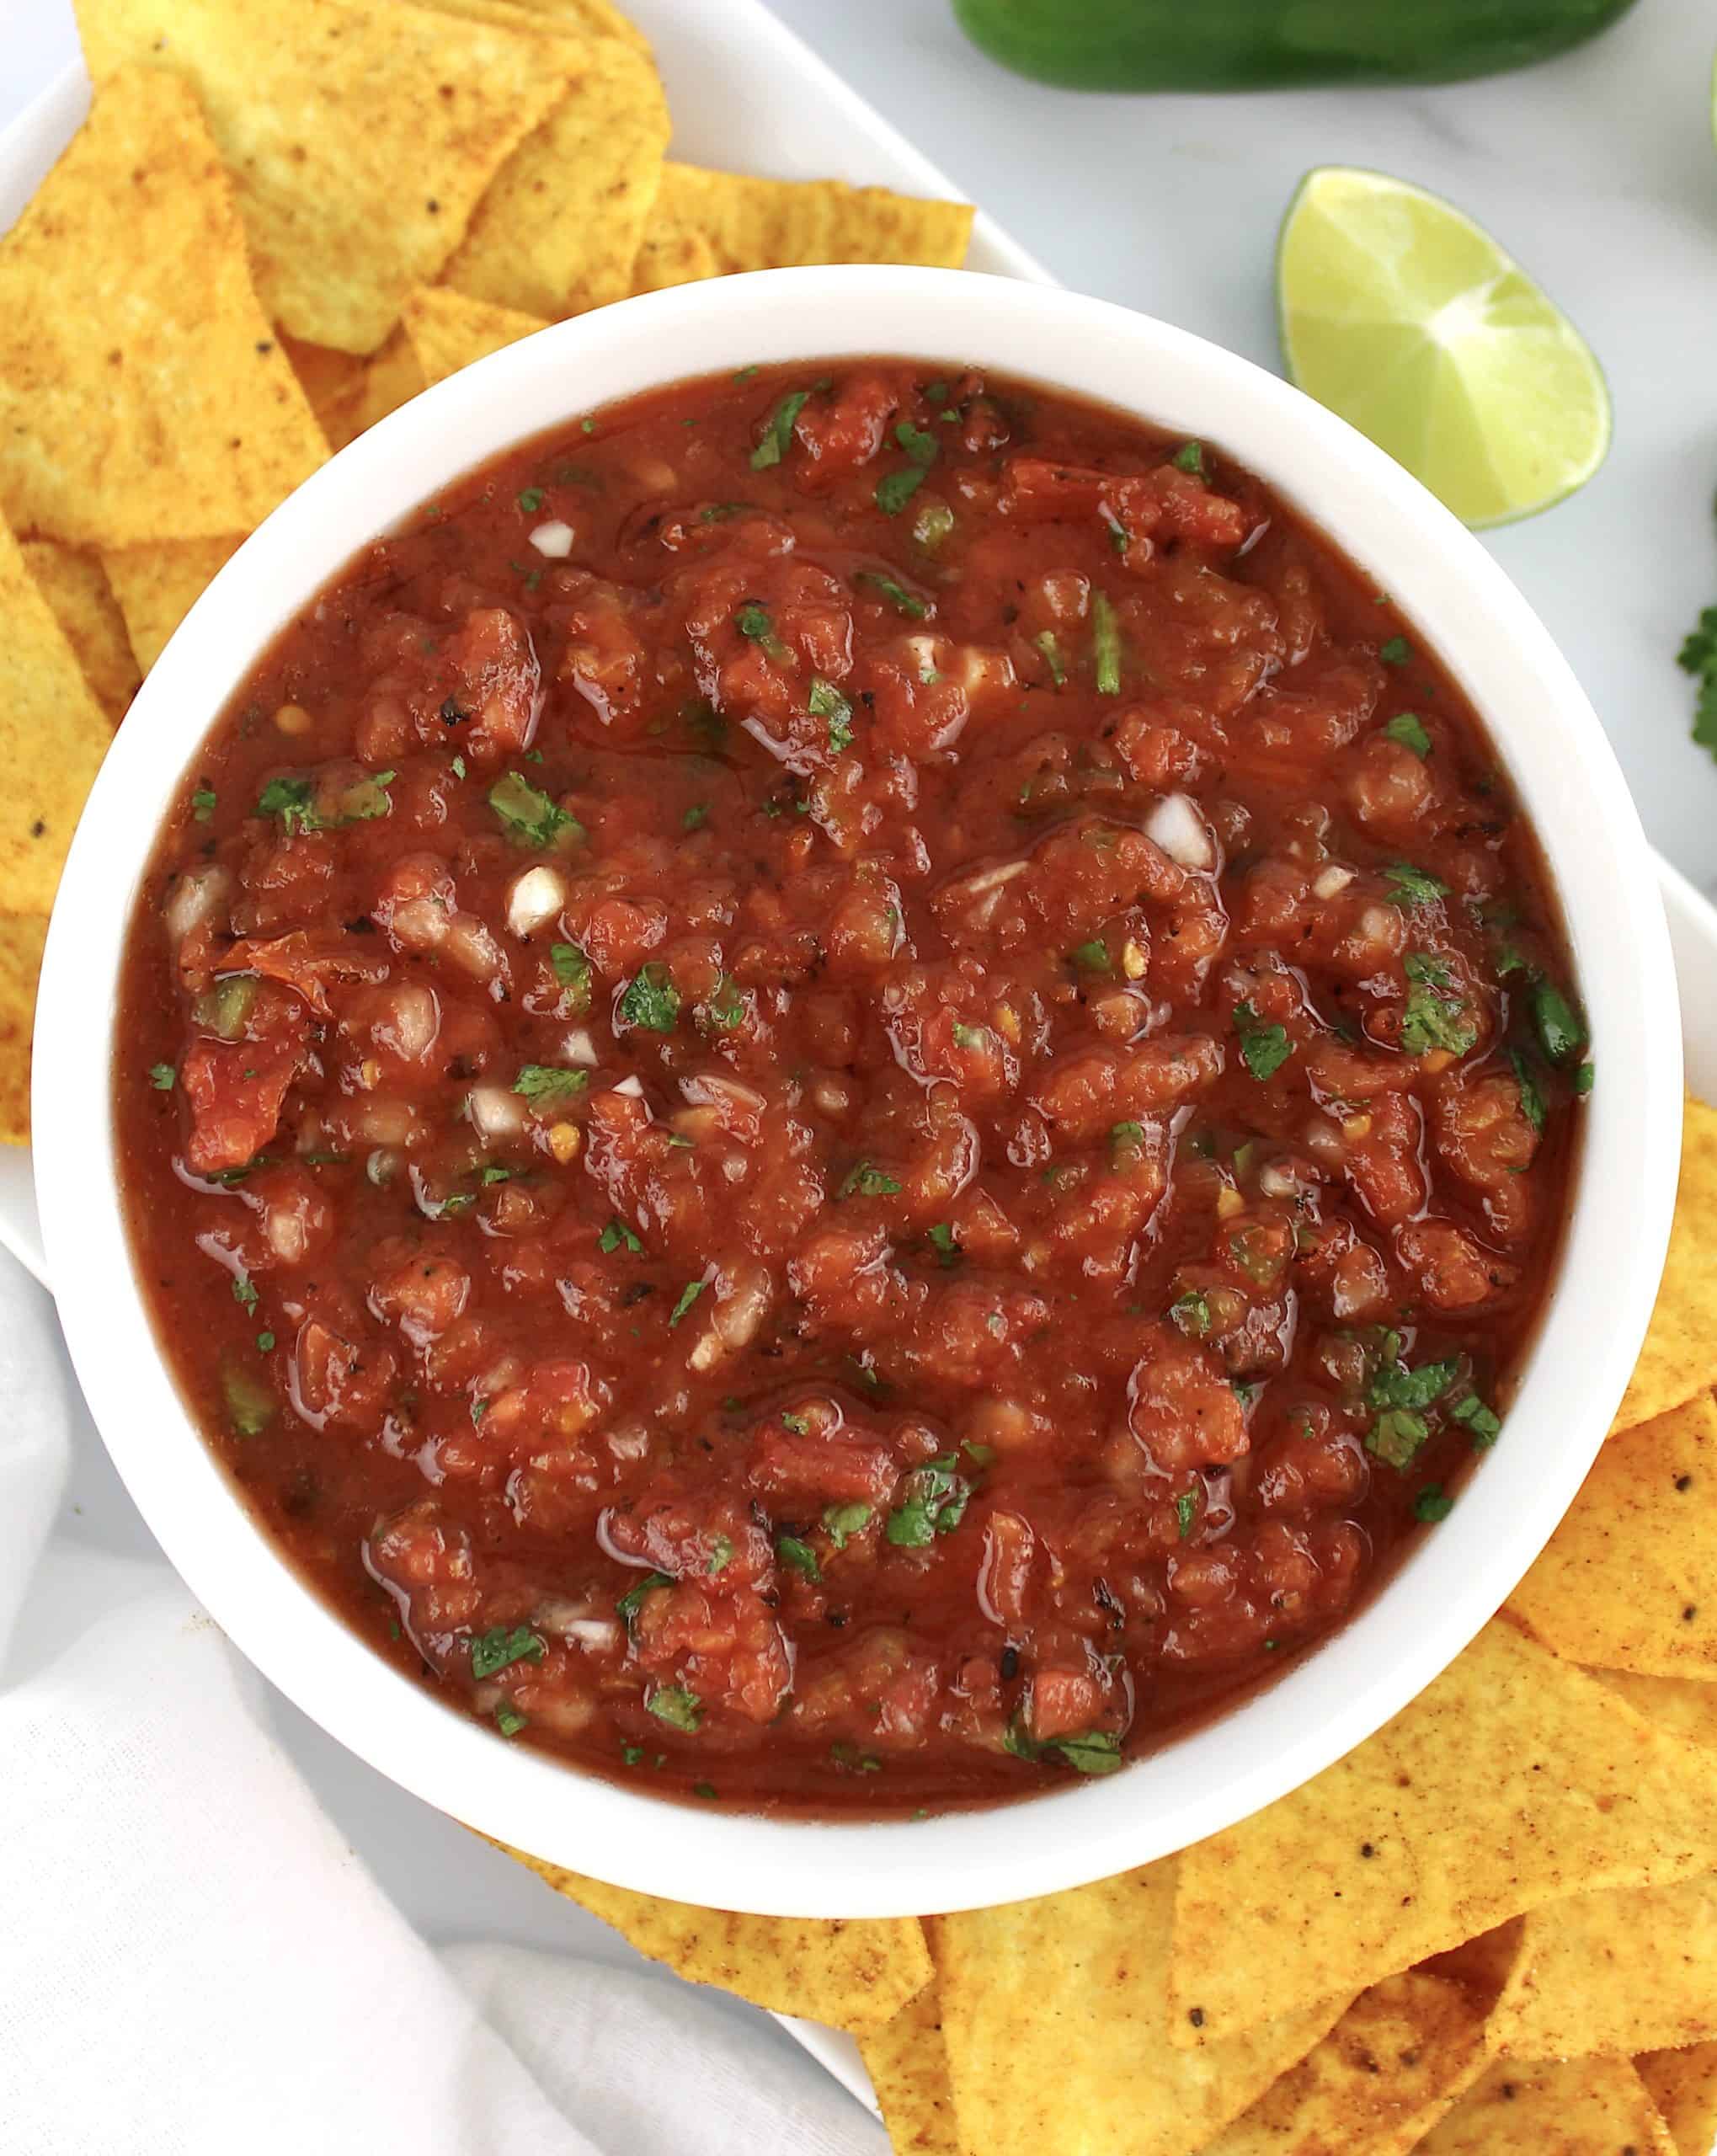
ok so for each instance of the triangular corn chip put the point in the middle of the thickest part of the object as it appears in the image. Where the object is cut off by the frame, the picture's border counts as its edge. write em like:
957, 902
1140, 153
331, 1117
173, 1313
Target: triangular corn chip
907, 2060
1589, 2107
75, 585
447, 331
1683, 2086
360, 134
1514, 1779
143, 392
1679, 1357
158, 586
21, 939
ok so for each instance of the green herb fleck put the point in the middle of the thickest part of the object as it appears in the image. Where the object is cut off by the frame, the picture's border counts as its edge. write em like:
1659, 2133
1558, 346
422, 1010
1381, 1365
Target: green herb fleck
841, 1522
1561, 1031
651, 1000
499, 1649
1480, 1423
532, 499
941, 1238
244, 1292
724, 1008
1187, 1512
529, 813
1408, 728
1045, 642
778, 434
676, 1706
548, 1082
688, 1295
1430, 1505
934, 1499
897, 597
162, 1076
800, 1556
1191, 1312
1263, 1048
1410, 887
1532, 1100
629, 1604
696, 817
894, 489
826, 702
1396, 652
617, 1235
754, 623
868, 1182
291, 800
571, 969
1582, 1080
203, 803
1093, 957
721, 1553
508, 1720
1433, 1017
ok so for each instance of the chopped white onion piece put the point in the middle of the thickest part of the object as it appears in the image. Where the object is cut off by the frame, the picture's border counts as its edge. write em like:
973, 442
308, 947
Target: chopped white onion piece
632, 1087
579, 1047
193, 899
494, 1111
537, 897
1333, 881
554, 539
1176, 826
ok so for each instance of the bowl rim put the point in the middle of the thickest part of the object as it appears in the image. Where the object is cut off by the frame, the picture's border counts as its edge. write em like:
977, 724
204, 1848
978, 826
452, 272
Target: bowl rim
1571, 1380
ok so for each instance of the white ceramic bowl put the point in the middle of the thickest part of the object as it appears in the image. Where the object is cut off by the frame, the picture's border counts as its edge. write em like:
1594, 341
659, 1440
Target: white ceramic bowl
1461, 606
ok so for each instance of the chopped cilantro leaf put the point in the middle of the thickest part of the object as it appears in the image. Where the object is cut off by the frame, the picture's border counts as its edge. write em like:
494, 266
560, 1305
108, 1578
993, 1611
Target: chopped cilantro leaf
897, 597
754, 623
894, 489
548, 1081
967, 1036
725, 1008
571, 969
629, 1604
203, 803
1411, 887
1187, 1512
1408, 728
1191, 1312
459, 767
1482, 1425
1396, 1436
615, 1234
1396, 652
941, 1238
1126, 1137
799, 1424
508, 1720
528, 812
826, 702
1106, 646
244, 1292
290, 799
162, 1076
841, 1522
1561, 1031
265, 1342
721, 1553
1190, 457
778, 434
1093, 957
1097, 1752
651, 1000
868, 1182
500, 1648
934, 1499
676, 1706
745, 374
1582, 1080
1430, 1505
800, 1556
1433, 1017
1263, 1048
1532, 1100
695, 816
532, 499
851, 1761
1394, 1385
920, 446
688, 1295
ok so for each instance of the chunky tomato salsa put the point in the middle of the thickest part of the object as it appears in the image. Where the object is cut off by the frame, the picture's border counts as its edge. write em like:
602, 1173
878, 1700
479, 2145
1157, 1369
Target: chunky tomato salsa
849, 1089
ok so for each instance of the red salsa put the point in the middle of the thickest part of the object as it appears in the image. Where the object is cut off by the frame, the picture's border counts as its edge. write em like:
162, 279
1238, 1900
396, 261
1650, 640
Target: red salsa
848, 1089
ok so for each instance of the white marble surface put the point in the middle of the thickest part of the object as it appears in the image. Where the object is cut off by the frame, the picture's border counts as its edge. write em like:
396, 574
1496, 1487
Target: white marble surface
1597, 171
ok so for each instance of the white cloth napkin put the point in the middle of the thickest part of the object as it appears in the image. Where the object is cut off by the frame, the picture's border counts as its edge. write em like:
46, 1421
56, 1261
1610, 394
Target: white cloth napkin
192, 1960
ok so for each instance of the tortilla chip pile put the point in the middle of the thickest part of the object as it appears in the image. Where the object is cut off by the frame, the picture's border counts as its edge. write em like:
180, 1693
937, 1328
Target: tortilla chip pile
1491, 1930
282, 219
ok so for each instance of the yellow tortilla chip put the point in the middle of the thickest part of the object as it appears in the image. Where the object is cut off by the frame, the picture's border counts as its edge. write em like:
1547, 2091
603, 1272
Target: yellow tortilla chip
1683, 2086
1680, 1353
908, 2063
587, 18
75, 585
360, 135
559, 227
1402, 2055
53, 736
1514, 1779
1053, 2014
334, 382
773, 224
1629, 1578
21, 939
391, 377
143, 392
850, 1973
158, 586
1589, 2107
447, 331
1677, 1704
1628, 1971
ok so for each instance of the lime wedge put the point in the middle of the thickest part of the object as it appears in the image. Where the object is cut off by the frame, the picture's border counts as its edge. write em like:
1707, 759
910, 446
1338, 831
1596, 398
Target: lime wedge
1407, 319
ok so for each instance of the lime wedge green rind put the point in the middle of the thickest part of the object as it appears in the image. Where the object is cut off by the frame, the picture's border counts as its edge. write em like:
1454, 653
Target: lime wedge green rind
1406, 318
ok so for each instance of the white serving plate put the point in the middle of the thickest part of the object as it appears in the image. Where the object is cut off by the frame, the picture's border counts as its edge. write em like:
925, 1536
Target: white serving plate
744, 91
